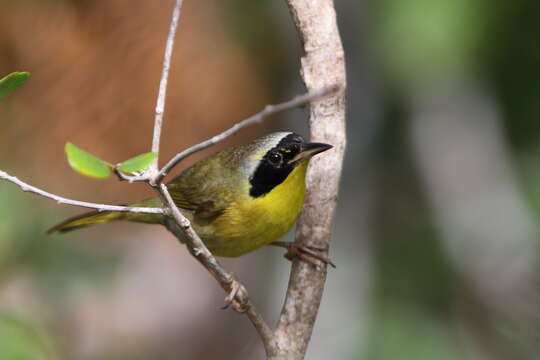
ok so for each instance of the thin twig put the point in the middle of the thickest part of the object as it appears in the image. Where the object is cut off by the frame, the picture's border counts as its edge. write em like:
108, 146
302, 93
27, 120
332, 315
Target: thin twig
266, 112
160, 104
139, 177
61, 200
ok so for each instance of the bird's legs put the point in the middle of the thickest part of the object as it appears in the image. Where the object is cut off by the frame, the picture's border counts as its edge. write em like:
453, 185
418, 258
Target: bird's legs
307, 253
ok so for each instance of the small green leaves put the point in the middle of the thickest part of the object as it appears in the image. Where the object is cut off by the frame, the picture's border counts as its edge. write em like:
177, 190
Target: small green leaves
92, 166
86, 163
11, 82
137, 163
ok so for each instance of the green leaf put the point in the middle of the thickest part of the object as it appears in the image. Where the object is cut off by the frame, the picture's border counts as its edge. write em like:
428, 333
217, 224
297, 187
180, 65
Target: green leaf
137, 163
11, 82
86, 163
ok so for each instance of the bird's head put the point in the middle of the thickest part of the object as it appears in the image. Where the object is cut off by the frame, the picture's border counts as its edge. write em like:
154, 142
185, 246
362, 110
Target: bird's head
276, 156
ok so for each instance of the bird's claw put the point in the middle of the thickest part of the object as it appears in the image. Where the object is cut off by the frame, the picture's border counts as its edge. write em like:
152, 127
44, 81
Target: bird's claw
308, 253
238, 296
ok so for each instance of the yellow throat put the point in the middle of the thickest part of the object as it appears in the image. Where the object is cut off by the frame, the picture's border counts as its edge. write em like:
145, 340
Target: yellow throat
251, 223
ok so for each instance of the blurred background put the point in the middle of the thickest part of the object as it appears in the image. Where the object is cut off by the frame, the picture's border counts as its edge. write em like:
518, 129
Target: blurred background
436, 235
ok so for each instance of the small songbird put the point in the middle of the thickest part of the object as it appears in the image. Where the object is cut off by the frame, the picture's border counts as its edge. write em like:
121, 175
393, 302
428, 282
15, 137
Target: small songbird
238, 199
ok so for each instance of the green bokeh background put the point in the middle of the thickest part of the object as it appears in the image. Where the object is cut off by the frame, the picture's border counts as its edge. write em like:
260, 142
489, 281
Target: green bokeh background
398, 292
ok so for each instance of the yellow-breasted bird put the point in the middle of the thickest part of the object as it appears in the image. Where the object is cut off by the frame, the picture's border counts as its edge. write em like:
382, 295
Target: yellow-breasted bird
238, 199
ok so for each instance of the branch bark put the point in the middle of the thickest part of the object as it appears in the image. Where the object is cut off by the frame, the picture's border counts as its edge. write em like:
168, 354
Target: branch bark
162, 93
62, 200
322, 65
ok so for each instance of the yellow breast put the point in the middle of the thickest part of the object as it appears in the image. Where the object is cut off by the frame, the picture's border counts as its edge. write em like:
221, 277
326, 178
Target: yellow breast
254, 222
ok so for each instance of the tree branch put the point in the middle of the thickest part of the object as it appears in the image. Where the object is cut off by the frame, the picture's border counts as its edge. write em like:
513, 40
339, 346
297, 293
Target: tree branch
322, 65
160, 103
61, 200
266, 112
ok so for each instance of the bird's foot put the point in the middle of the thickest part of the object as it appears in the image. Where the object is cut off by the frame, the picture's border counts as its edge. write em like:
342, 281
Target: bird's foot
308, 253
238, 296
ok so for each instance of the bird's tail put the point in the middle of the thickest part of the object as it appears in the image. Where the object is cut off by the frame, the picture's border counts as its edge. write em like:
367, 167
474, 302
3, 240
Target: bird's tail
86, 219
101, 217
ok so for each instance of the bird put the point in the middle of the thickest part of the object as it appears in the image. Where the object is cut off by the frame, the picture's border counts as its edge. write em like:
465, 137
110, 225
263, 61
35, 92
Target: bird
237, 200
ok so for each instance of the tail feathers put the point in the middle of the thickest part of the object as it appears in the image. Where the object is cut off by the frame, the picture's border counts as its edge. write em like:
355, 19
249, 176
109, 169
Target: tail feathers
100, 217
83, 220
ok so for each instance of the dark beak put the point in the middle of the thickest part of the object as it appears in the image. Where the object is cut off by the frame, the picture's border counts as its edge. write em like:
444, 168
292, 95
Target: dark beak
310, 149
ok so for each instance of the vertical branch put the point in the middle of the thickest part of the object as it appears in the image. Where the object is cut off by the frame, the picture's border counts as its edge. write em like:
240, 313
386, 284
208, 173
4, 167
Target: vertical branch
160, 104
322, 65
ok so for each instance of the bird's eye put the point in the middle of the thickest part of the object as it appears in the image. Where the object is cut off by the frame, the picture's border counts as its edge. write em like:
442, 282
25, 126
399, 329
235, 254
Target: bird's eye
274, 158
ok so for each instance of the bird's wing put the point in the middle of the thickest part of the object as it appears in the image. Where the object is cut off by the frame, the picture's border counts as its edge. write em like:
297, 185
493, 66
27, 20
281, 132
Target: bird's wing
205, 189
203, 206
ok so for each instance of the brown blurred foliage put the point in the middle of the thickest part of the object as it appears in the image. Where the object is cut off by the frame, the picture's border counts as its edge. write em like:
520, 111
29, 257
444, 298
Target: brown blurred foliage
95, 73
